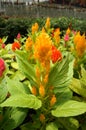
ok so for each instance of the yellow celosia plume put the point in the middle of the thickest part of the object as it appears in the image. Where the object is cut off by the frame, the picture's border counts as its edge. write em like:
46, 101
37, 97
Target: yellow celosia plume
35, 28
57, 36
28, 43
43, 48
80, 44
42, 91
68, 31
47, 24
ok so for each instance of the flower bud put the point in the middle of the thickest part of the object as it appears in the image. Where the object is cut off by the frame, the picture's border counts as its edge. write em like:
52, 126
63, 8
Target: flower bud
42, 90
3, 45
34, 92
42, 117
53, 100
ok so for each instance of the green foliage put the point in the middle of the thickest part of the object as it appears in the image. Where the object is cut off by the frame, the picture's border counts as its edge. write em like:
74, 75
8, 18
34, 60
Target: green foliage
69, 108
12, 118
69, 123
28, 68
51, 126
79, 85
62, 23
3, 91
12, 26
62, 68
19, 96
22, 100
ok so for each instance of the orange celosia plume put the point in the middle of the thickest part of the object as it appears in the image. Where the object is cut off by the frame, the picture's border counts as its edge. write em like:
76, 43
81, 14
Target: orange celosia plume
80, 44
28, 43
35, 28
47, 24
53, 100
43, 48
16, 45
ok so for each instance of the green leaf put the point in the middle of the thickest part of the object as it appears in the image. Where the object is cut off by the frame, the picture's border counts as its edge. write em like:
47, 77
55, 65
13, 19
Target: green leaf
51, 126
63, 95
23, 101
14, 65
69, 108
69, 123
83, 126
61, 73
29, 126
15, 87
4, 39
83, 78
77, 86
18, 76
12, 118
83, 72
8, 56
3, 90
25, 67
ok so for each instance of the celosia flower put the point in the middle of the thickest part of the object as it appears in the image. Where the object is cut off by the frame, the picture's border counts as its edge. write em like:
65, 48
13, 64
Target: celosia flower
1, 41
57, 31
46, 78
74, 32
68, 31
37, 72
42, 90
56, 35
47, 24
80, 45
18, 36
43, 48
43, 29
34, 91
35, 28
2, 67
28, 43
77, 37
56, 54
16, 45
3, 45
42, 117
66, 37
53, 100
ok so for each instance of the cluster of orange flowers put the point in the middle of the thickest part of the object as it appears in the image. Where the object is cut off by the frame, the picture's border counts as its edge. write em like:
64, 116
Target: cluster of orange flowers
43, 48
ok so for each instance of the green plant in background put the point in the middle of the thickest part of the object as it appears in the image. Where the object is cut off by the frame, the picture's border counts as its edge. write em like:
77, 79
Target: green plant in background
12, 26
37, 88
